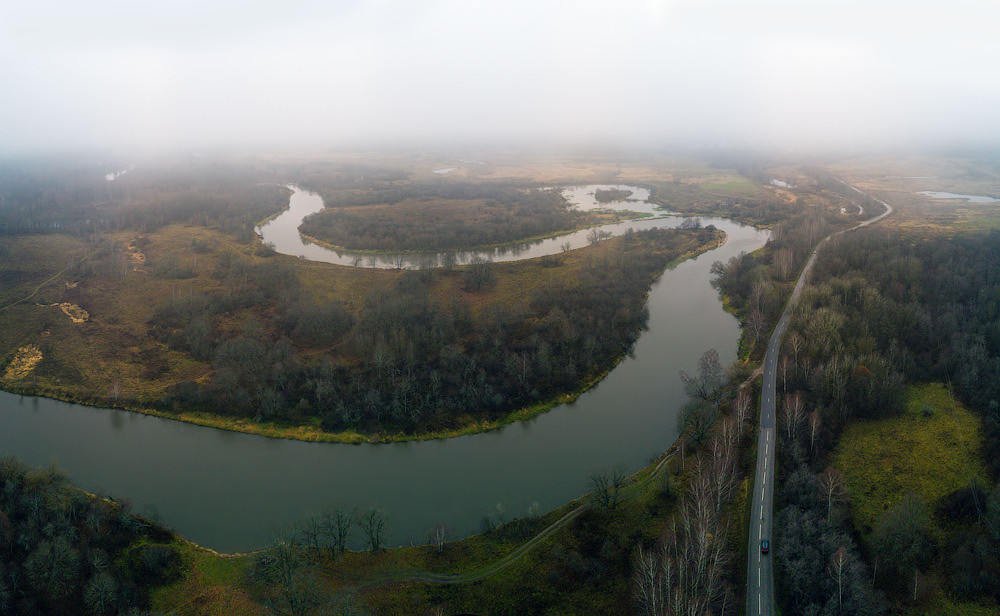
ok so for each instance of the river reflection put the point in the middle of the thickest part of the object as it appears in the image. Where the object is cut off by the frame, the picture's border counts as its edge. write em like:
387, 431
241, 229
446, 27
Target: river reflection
283, 234
232, 491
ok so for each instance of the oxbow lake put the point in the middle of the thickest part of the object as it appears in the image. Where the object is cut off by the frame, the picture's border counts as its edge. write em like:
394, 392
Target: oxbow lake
232, 492
934, 194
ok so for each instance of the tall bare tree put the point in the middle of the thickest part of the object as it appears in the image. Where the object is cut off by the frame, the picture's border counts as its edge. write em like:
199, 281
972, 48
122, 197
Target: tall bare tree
783, 366
796, 342
837, 569
815, 423
372, 523
608, 488
337, 528
793, 412
439, 535
831, 485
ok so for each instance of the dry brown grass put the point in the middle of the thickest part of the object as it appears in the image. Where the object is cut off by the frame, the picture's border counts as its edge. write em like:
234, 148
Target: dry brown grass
24, 362
74, 312
899, 181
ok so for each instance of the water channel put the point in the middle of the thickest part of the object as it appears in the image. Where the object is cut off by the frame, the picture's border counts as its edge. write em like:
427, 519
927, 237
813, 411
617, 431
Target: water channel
232, 491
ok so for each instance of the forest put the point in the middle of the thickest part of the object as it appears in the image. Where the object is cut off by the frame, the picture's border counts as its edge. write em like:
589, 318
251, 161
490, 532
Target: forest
63, 551
482, 218
421, 361
611, 195
884, 310
71, 197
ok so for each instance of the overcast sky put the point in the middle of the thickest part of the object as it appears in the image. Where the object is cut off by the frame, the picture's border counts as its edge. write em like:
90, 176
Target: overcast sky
206, 73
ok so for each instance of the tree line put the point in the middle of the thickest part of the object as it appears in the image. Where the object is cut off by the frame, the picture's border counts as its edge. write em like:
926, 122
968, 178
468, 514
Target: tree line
502, 215
63, 551
408, 360
885, 309
70, 197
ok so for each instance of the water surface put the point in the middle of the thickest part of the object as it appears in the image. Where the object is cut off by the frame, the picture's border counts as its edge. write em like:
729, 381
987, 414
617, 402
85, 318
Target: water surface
970, 198
232, 491
282, 233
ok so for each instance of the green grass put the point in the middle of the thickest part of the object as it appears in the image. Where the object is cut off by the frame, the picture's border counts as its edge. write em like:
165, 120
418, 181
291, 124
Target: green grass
933, 455
730, 184
535, 583
211, 585
932, 449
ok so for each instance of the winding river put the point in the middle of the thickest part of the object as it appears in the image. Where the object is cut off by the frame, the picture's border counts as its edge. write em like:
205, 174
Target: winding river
232, 491
282, 233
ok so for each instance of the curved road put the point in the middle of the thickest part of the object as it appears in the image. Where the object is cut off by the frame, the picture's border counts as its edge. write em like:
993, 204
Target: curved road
760, 576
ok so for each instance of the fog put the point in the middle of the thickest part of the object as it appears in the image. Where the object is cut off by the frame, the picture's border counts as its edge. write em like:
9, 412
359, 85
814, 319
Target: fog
725, 72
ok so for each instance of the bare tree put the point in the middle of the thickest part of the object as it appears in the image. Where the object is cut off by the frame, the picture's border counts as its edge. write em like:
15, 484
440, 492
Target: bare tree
356, 260
757, 293
837, 569
831, 485
399, 260
115, 390
796, 342
721, 472
650, 582
814, 425
709, 378
311, 532
783, 366
793, 412
439, 535
337, 527
755, 322
372, 523
596, 236
296, 588
686, 573
565, 247
783, 262
608, 487
480, 274
742, 407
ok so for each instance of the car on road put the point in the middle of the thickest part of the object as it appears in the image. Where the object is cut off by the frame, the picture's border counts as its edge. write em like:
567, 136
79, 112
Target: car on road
765, 547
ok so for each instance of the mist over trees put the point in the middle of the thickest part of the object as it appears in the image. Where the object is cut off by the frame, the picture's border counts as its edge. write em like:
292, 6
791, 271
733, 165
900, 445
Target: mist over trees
483, 215
74, 197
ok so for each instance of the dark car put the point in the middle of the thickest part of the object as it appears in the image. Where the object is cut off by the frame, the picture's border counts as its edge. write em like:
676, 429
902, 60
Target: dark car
764, 546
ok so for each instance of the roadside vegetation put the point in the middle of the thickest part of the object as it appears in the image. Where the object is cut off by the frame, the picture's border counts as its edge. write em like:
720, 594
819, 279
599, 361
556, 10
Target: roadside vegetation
886, 499
756, 286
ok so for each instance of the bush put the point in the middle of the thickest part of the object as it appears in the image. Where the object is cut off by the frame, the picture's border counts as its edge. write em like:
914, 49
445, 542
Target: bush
155, 564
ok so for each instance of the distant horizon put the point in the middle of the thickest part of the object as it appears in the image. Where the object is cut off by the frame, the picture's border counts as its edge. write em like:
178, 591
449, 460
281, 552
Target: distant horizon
773, 74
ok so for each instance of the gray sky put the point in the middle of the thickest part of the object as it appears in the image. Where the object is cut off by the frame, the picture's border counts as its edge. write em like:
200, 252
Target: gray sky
199, 73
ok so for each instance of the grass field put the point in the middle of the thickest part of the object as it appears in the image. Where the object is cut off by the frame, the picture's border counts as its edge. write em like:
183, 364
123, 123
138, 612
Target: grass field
932, 449
899, 181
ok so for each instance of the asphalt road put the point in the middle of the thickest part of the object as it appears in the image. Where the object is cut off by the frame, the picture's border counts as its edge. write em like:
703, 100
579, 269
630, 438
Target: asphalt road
760, 575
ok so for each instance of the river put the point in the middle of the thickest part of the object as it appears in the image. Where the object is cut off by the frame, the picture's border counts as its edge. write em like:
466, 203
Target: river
282, 232
231, 491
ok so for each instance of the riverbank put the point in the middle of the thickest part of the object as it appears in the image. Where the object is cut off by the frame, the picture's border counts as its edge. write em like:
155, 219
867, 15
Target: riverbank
513, 565
314, 433
628, 216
